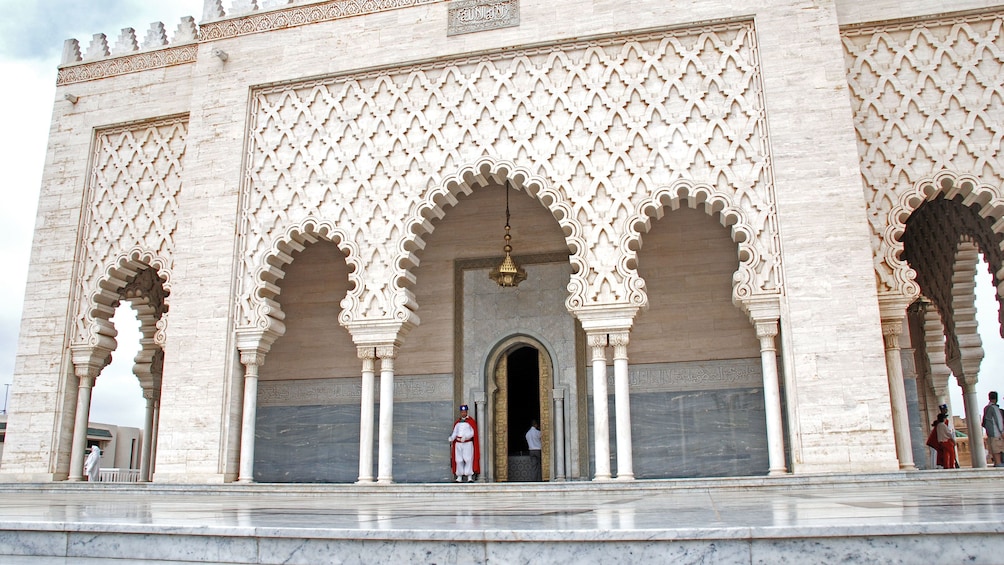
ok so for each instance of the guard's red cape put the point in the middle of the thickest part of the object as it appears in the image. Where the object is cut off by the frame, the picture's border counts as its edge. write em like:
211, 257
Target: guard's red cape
477, 448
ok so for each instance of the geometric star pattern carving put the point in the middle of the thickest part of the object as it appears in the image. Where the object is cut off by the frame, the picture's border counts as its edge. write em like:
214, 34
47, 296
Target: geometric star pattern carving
927, 98
604, 132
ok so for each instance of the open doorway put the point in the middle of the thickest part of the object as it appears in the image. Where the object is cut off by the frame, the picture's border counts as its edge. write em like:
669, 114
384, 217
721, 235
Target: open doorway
521, 398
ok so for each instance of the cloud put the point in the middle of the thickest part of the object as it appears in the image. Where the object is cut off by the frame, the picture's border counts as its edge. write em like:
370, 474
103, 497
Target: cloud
36, 30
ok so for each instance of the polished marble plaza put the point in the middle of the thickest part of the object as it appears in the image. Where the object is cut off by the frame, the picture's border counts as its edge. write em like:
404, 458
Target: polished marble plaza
916, 517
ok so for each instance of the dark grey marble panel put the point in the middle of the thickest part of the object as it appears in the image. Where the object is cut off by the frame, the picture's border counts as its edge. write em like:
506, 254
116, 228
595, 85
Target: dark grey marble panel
707, 433
307, 444
320, 444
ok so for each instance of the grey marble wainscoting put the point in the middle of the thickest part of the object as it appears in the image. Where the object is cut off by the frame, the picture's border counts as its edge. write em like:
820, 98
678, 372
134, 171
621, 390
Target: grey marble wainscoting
307, 444
307, 431
699, 419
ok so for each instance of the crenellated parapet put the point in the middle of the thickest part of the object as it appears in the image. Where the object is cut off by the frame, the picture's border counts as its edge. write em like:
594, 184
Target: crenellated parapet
127, 54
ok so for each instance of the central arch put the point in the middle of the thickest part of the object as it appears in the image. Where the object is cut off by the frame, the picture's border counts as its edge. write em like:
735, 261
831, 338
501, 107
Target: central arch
519, 378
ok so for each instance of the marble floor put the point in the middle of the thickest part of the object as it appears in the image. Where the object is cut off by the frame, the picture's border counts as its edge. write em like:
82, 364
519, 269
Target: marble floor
916, 517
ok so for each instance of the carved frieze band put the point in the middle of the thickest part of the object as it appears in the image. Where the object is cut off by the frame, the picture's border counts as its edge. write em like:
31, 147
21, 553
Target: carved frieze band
327, 392
671, 377
128, 64
300, 15
469, 16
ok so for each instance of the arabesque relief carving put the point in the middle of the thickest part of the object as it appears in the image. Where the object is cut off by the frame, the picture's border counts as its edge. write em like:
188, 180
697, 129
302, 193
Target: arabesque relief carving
926, 97
603, 132
130, 218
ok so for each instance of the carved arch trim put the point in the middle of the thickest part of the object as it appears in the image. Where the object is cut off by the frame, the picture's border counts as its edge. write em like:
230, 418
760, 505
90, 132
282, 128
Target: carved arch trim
985, 197
97, 328
749, 279
476, 175
266, 312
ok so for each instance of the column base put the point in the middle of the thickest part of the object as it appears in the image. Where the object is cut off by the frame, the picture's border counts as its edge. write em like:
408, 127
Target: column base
625, 477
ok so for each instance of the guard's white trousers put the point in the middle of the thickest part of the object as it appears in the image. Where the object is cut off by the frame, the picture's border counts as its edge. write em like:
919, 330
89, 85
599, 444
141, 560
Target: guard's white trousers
464, 455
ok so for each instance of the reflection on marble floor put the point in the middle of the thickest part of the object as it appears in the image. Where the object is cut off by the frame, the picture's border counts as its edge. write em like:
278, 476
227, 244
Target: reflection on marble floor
960, 516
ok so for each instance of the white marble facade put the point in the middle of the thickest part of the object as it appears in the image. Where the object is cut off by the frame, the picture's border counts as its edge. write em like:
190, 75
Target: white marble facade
209, 163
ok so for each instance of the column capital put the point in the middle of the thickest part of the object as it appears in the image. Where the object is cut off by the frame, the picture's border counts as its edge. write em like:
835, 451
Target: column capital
387, 351
254, 344
366, 352
619, 338
766, 328
254, 357
88, 360
597, 339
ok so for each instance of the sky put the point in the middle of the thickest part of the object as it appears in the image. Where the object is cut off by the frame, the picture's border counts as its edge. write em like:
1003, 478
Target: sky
31, 43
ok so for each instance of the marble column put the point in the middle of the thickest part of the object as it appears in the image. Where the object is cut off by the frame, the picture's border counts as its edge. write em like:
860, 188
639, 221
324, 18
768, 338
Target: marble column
79, 446
480, 400
766, 331
153, 436
145, 453
622, 407
558, 395
87, 364
891, 330
366, 401
601, 417
385, 460
251, 360
974, 419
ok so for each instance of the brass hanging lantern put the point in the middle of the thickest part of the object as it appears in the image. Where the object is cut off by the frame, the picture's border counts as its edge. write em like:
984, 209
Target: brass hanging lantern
507, 274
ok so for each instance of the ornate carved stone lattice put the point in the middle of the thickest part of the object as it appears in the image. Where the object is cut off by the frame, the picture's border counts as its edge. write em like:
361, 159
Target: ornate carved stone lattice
604, 132
130, 216
926, 97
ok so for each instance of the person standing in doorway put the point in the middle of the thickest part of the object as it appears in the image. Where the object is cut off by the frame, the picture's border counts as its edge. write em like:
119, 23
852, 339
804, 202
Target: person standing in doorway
465, 453
92, 466
993, 423
533, 444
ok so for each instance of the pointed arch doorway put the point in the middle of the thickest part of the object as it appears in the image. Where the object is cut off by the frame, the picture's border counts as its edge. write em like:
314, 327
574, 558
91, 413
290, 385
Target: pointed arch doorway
521, 386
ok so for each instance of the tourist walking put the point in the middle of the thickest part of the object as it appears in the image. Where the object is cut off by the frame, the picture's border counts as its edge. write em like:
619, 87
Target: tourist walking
993, 423
92, 466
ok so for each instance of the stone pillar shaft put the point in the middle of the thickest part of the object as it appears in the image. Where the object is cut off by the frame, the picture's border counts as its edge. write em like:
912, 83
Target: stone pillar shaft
385, 460
368, 355
766, 331
79, 445
601, 422
146, 453
891, 331
558, 395
622, 407
251, 363
974, 418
